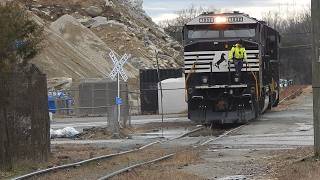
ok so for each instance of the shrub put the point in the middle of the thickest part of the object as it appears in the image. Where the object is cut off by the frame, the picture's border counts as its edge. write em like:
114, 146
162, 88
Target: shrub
20, 37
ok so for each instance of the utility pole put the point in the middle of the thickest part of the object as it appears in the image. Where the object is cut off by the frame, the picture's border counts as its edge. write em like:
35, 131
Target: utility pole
315, 13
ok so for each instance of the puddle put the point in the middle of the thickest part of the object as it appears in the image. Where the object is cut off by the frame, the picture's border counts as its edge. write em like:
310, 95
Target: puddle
167, 133
304, 127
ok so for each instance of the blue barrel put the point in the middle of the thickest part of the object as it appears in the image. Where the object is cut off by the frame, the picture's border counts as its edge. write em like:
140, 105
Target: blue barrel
52, 104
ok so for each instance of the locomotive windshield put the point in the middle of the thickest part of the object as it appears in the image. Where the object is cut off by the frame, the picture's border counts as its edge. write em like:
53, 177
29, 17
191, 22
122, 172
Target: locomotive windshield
203, 34
243, 33
220, 32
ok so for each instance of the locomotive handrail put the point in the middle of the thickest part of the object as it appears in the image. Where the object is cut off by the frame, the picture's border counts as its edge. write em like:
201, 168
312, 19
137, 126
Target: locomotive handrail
192, 70
256, 82
229, 72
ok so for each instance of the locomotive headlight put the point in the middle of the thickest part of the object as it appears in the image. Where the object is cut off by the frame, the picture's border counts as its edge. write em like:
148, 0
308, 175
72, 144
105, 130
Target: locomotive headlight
220, 19
236, 79
204, 79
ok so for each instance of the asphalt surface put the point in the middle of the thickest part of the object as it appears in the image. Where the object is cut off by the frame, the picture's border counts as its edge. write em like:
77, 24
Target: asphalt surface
120, 144
289, 128
246, 152
87, 122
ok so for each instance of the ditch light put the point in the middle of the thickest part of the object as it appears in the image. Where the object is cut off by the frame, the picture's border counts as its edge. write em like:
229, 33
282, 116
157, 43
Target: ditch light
220, 19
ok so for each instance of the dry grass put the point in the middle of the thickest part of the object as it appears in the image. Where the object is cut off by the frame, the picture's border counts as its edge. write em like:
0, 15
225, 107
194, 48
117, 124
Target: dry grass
61, 154
169, 169
295, 165
308, 170
98, 133
98, 169
70, 153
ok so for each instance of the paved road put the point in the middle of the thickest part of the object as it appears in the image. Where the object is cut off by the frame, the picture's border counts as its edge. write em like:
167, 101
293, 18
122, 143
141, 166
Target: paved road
293, 127
81, 123
246, 151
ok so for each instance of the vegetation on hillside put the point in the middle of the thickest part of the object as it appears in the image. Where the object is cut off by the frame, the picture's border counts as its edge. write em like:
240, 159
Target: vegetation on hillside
20, 37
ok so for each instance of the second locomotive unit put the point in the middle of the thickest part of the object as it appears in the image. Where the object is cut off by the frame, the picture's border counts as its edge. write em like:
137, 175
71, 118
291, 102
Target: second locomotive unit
215, 93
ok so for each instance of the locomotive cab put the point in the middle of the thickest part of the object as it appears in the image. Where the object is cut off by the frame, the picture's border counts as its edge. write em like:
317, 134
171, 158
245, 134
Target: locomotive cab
214, 94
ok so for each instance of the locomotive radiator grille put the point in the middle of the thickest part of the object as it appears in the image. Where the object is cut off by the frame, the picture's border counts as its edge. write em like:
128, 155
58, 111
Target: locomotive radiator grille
216, 61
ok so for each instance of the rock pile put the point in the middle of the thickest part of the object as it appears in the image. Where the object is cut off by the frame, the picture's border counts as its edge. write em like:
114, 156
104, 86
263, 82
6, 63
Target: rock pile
80, 34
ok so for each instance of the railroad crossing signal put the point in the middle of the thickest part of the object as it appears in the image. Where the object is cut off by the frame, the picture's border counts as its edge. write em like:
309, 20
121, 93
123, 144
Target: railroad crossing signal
118, 66
115, 75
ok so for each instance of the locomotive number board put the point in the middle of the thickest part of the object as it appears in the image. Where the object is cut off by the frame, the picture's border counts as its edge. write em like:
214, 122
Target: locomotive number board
206, 20
221, 19
235, 19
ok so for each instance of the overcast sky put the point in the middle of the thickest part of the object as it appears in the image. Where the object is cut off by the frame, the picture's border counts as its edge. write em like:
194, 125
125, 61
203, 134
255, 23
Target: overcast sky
165, 9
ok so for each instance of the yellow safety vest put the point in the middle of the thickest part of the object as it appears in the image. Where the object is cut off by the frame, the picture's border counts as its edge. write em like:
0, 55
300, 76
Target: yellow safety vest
238, 53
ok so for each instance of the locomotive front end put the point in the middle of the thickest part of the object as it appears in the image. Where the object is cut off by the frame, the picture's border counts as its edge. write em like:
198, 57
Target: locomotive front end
215, 94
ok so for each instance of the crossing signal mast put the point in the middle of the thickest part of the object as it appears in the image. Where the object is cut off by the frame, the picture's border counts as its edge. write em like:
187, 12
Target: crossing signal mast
315, 13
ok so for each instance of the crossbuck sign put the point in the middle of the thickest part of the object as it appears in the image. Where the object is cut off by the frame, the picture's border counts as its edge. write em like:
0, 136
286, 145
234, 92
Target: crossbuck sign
118, 66
115, 75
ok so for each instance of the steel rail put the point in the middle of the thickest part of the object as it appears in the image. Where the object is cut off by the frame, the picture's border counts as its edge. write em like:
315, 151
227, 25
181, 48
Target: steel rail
66, 166
222, 135
187, 134
73, 164
148, 162
135, 166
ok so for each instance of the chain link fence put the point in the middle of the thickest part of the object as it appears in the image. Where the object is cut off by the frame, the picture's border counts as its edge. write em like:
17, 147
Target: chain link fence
90, 98
96, 98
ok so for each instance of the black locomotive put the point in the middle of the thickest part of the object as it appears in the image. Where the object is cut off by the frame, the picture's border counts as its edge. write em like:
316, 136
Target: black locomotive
214, 94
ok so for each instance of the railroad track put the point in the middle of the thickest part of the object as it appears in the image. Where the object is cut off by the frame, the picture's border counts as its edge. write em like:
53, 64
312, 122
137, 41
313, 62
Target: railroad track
115, 173
114, 155
202, 144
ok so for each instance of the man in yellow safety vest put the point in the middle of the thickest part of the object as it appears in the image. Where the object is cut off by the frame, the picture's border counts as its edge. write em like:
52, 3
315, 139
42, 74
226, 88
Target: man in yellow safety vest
238, 55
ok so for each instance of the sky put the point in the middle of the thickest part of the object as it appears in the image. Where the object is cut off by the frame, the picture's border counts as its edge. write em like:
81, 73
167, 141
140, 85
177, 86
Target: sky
165, 9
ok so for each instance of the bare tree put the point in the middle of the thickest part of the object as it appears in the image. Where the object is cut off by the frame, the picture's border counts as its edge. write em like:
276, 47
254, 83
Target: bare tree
295, 51
174, 27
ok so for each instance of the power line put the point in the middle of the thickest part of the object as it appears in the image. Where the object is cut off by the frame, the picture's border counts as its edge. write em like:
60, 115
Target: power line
303, 46
298, 33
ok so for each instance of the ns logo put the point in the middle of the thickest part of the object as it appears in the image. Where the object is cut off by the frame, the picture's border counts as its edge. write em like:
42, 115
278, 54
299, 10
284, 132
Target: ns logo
220, 61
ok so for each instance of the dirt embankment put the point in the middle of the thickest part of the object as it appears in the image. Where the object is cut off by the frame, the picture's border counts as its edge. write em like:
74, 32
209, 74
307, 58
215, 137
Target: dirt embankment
292, 92
289, 96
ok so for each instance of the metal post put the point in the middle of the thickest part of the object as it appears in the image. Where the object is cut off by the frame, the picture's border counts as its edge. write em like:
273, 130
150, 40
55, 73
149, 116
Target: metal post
316, 73
117, 72
315, 12
161, 92
119, 106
